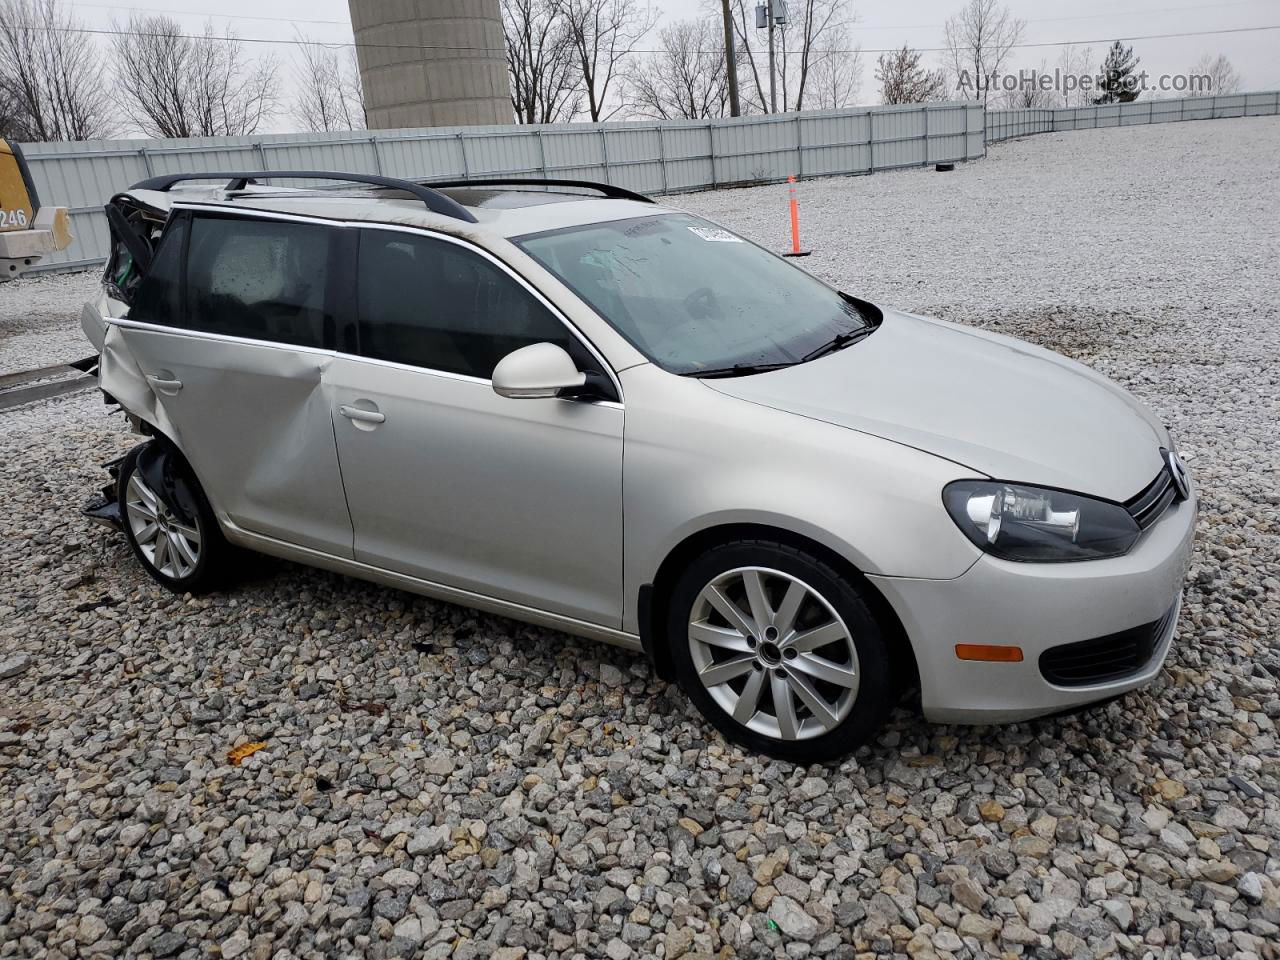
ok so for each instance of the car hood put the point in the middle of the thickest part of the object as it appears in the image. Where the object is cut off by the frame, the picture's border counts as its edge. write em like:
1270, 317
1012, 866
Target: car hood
996, 405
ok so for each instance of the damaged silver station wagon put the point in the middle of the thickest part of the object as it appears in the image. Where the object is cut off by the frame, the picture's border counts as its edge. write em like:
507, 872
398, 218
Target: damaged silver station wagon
562, 402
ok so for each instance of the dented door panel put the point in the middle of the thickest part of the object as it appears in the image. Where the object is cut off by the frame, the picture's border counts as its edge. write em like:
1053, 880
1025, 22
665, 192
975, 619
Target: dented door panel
253, 419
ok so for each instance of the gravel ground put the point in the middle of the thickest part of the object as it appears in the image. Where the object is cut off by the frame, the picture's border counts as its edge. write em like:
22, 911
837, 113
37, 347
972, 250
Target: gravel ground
40, 320
436, 782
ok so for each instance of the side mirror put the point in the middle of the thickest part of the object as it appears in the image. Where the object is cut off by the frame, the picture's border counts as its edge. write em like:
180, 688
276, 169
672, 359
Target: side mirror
539, 370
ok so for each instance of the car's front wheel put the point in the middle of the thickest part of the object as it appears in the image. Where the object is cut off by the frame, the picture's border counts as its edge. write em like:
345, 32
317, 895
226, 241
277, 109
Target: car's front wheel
779, 651
167, 520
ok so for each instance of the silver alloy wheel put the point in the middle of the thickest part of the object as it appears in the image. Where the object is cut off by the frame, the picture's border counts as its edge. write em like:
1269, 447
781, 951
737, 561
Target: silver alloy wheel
773, 653
170, 546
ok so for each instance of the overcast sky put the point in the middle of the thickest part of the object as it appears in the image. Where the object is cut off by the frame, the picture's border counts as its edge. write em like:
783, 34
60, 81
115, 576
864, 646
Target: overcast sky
881, 24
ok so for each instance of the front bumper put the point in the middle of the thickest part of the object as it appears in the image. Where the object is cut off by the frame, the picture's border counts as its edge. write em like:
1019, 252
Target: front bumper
1036, 606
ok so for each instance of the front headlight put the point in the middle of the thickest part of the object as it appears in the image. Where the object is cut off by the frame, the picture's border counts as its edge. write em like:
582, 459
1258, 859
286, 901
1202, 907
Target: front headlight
1017, 522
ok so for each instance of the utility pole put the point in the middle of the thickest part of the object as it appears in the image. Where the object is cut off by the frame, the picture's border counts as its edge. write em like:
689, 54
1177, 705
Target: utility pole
773, 84
771, 14
731, 61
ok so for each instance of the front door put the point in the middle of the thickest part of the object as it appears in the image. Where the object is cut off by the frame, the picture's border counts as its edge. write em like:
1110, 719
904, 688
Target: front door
520, 500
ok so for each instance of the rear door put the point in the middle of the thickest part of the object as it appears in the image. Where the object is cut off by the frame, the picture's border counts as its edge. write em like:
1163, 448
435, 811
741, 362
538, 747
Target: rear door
229, 336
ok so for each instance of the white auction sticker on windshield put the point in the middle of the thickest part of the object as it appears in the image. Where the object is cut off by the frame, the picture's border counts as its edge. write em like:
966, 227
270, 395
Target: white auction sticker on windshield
712, 235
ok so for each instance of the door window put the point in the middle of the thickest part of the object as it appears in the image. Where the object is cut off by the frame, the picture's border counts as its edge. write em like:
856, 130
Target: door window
431, 303
157, 299
261, 279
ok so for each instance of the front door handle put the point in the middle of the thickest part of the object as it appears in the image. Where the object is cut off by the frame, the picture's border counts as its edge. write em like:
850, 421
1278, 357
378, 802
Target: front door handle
165, 384
361, 415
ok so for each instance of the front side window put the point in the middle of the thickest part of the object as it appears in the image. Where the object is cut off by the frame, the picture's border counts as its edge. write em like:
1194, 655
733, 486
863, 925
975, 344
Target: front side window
262, 279
695, 298
431, 303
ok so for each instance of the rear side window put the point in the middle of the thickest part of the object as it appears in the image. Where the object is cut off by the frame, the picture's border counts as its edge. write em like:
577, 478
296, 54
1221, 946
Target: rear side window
158, 297
261, 279
430, 303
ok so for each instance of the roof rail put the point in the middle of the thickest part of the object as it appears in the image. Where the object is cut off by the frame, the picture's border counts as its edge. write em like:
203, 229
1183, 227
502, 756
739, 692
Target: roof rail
607, 189
436, 202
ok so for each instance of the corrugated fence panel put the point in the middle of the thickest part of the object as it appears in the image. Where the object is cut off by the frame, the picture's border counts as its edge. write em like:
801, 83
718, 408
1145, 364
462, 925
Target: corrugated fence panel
897, 139
353, 156
749, 152
1005, 124
1198, 108
837, 144
439, 158
571, 154
635, 158
1262, 104
688, 151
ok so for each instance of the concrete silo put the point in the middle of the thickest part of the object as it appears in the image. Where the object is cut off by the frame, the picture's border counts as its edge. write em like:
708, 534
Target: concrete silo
431, 63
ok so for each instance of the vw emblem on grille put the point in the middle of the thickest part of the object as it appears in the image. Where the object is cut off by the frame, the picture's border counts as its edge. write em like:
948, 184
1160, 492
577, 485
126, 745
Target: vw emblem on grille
1178, 471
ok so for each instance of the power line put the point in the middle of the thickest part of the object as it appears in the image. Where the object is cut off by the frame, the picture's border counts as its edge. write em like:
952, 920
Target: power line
909, 26
228, 16
103, 31
1090, 16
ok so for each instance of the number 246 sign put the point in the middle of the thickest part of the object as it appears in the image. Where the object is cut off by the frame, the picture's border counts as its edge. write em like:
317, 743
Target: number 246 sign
12, 218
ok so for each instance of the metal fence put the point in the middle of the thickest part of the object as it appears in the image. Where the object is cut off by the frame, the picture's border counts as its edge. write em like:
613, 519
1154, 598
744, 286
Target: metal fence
659, 157
1006, 124
650, 157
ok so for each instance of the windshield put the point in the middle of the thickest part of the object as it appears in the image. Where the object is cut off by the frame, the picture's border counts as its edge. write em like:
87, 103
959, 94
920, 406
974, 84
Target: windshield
695, 298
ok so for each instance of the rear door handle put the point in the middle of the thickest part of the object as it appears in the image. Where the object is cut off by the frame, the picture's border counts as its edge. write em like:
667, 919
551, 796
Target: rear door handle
165, 385
361, 415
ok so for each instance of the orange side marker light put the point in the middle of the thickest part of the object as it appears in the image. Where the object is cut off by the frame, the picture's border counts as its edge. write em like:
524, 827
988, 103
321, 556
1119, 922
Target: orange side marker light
988, 653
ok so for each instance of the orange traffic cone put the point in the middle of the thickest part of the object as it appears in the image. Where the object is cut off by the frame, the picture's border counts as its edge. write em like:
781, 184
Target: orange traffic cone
795, 250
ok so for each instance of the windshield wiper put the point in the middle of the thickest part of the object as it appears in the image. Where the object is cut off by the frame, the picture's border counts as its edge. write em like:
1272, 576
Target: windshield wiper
737, 370
838, 342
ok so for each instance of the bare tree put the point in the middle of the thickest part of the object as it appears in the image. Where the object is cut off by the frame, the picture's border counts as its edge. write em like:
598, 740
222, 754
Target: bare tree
176, 85
50, 79
1222, 75
604, 33
816, 22
979, 40
8, 116
687, 78
1034, 90
1075, 64
903, 80
330, 95
836, 75
546, 86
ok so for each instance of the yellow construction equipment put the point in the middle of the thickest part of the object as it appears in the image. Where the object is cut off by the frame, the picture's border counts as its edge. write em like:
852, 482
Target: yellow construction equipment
27, 230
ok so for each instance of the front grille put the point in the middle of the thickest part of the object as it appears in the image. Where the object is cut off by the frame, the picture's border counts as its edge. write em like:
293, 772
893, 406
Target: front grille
1104, 659
1148, 506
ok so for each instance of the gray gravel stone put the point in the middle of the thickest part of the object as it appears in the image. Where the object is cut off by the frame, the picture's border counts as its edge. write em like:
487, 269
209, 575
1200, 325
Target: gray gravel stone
440, 783
14, 666
791, 919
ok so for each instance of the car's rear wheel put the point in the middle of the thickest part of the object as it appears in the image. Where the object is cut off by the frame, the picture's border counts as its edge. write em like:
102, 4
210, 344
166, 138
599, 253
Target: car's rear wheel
779, 651
168, 522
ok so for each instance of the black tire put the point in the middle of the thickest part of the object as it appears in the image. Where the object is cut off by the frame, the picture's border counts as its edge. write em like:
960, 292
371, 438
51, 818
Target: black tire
873, 696
178, 490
